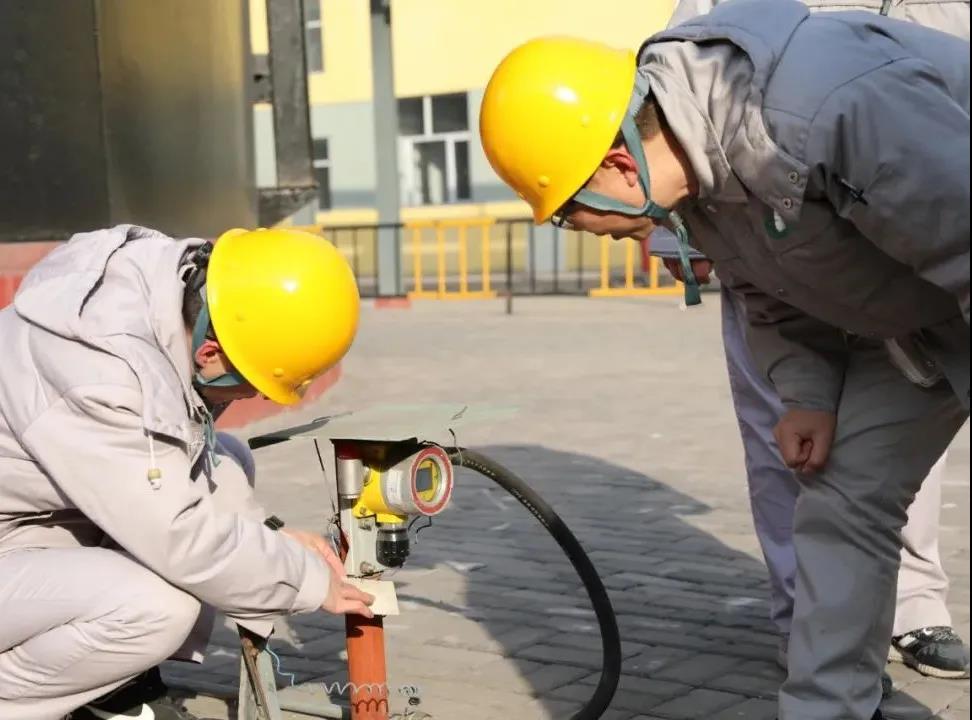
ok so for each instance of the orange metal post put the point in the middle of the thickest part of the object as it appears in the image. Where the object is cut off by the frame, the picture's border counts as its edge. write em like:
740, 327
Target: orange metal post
366, 668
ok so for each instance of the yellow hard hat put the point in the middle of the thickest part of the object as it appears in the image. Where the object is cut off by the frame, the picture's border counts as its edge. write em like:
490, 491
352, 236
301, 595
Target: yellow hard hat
550, 113
284, 305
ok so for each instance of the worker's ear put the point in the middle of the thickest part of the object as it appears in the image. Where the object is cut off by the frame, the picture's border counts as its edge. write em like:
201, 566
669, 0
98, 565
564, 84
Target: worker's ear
619, 159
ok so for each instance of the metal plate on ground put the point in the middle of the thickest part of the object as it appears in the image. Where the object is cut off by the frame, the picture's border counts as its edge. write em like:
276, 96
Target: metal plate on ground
393, 423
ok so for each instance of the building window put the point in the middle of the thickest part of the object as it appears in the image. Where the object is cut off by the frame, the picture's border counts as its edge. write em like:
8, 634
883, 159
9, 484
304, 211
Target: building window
434, 145
313, 39
322, 173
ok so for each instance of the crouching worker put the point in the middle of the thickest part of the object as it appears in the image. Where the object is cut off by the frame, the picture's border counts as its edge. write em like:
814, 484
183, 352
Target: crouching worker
124, 518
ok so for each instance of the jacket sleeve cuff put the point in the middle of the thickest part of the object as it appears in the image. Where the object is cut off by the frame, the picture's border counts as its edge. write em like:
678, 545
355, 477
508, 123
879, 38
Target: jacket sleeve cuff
313, 590
811, 404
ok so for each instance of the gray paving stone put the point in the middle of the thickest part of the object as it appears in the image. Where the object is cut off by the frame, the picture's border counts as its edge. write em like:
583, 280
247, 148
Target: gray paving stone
752, 686
953, 715
743, 650
771, 640
649, 663
933, 694
550, 677
663, 689
639, 695
673, 639
905, 708
591, 642
561, 655
505, 641
640, 612
961, 703
697, 669
748, 710
762, 668
697, 703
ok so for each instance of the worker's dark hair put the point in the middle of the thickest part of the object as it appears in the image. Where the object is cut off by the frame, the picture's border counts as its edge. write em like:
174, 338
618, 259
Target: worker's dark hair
192, 300
650, 121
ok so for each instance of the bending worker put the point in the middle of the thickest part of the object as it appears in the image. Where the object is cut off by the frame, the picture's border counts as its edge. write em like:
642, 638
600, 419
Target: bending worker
922, 636
124, 519
837, 202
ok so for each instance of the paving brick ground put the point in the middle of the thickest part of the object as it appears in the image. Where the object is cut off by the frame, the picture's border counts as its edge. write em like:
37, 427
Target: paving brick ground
625, 427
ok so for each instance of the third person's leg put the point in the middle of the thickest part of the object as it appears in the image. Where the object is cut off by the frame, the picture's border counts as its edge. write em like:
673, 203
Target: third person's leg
923, 634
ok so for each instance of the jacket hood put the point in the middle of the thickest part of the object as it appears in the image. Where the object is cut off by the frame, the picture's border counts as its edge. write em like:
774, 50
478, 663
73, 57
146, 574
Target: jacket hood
120, 291
695, 67
760, 28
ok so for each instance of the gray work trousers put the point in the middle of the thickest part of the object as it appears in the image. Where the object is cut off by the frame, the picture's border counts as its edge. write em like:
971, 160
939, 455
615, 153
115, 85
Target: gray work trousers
77, 622
773, 491
847, 526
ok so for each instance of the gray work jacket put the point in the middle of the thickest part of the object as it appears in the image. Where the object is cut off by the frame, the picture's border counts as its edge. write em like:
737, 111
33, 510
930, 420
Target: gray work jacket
832, 156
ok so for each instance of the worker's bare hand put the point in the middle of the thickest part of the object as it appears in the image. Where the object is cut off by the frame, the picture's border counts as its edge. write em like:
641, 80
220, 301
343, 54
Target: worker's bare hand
342, 598
805, 438
345, 599
701, 268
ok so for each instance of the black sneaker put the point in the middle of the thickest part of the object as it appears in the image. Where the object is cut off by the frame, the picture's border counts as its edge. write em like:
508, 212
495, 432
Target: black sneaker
144, 697
936, 651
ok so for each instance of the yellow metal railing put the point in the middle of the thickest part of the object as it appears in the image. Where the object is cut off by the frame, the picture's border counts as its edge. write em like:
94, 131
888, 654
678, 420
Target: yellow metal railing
629, 288
454, 258
462, 228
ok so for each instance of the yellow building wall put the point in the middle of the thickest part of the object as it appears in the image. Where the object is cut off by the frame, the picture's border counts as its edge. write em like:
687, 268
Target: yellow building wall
346, 36
445, 46
452, 45
259, 39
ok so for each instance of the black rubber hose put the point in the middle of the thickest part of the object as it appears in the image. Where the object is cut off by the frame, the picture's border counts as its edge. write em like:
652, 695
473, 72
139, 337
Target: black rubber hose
538, 507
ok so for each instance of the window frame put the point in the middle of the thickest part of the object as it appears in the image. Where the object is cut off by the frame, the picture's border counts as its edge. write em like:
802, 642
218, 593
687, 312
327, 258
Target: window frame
411, 190
319, 163
313, 62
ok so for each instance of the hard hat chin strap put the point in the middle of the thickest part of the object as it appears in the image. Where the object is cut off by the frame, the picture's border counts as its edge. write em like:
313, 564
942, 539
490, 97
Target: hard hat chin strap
230, 378
632, 140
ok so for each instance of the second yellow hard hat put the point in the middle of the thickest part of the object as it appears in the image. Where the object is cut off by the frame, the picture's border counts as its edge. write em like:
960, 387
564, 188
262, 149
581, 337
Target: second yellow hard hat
550, 113
284, 305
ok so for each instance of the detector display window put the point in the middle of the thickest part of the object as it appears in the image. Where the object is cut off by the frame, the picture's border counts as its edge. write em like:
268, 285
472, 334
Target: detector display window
426, 480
